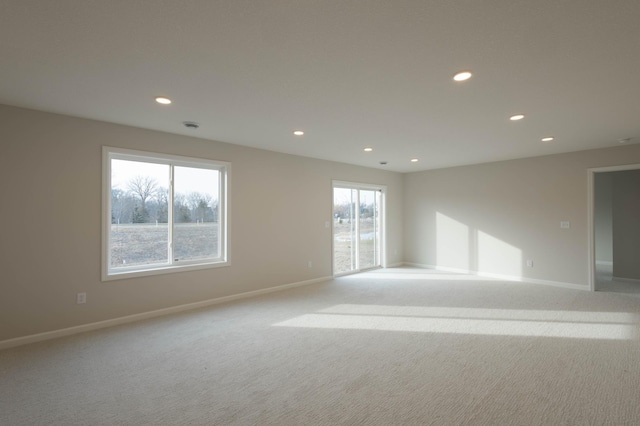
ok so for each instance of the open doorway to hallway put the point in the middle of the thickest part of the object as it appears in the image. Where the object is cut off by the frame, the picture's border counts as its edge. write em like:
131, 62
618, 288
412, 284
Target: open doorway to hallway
615, 229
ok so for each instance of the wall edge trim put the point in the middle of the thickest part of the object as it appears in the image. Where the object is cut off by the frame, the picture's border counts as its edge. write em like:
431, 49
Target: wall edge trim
53, 334
627, 280
512, 278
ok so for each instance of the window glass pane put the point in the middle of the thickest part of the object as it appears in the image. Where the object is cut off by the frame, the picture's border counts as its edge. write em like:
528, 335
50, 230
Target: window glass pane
139, 211
196, 214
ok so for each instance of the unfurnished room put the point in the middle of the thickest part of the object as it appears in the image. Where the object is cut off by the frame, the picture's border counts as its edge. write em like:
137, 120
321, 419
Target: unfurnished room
411, 212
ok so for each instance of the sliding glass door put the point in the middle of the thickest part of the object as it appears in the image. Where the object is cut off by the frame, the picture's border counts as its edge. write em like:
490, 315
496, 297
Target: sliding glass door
357, 223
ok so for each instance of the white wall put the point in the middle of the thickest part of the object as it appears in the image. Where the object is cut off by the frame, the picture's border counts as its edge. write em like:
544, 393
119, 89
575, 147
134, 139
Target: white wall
50, 172
493, 217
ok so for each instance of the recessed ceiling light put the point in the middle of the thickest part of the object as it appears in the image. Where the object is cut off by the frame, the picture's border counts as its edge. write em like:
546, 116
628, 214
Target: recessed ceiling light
516, 117
414, 160
298, 132
368, 149
162, 100
462, 76
547, 139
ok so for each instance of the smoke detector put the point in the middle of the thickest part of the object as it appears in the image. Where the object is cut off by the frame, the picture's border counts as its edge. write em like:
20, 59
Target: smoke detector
191, 124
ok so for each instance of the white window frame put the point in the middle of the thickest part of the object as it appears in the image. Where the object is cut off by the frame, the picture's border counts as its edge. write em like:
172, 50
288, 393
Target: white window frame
109, 153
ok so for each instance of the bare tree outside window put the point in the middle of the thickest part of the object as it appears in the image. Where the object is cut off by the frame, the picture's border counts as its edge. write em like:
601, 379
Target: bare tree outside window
143, 187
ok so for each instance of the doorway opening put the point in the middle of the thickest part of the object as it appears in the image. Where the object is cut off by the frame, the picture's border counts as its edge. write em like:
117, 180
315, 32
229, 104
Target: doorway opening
357, 227
614, 230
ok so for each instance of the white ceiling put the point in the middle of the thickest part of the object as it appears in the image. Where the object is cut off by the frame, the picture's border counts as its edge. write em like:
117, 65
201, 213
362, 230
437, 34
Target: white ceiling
349, 73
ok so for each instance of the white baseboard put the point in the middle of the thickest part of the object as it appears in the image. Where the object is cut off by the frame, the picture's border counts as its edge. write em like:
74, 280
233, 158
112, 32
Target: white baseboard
18, 341
561, 284
440, 268
417, 265
501, 276
394, 265
604, 262
627, 280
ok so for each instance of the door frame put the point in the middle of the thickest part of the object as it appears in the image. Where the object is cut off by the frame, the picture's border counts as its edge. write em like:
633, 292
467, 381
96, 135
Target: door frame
382, 219
591, 172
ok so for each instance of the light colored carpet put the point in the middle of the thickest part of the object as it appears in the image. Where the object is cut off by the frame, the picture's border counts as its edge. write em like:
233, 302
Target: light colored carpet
390, 347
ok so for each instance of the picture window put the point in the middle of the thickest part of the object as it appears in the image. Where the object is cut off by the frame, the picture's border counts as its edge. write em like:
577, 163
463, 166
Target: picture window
162, 213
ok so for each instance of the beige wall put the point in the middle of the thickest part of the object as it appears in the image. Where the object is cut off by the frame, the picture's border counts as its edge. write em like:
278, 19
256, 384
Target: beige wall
50, 249
493, 217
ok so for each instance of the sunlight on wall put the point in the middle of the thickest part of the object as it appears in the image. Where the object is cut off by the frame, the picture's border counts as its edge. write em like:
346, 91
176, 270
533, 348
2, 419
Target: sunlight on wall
475, 321
452, 243
497, 257
461, 248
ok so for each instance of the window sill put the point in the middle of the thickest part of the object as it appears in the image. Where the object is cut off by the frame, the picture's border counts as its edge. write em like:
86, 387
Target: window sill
112, 276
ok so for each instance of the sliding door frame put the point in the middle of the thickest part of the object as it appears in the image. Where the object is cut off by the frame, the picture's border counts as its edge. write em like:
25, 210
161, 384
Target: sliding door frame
381, 219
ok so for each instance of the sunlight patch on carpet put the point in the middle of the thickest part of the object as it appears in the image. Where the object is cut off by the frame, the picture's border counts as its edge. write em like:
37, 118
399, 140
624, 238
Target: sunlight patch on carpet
473, 321
484, 313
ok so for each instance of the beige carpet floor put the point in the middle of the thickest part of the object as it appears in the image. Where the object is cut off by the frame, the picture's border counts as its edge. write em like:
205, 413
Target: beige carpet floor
390, 347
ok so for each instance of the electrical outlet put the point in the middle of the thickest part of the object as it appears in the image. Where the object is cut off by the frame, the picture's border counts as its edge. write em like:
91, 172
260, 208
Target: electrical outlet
310, 264
530, 263
565, 224
81, 298
326, 224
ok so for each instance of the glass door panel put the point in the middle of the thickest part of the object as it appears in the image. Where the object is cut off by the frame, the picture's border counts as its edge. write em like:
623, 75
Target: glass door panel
368, 229
344, 230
